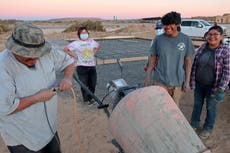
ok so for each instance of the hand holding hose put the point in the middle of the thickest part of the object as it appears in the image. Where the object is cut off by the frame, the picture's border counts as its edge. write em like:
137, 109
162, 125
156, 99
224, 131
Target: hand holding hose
65, 84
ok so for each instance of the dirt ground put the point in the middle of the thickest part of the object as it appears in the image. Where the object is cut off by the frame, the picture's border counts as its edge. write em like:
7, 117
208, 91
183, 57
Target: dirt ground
88, 131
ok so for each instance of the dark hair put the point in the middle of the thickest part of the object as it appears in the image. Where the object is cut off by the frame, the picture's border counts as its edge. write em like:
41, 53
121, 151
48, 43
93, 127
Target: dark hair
218, 28
80, 29
171, 18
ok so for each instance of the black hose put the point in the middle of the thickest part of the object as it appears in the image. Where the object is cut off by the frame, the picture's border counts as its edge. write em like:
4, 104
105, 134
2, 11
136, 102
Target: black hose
107, 95
55, 136
99, 102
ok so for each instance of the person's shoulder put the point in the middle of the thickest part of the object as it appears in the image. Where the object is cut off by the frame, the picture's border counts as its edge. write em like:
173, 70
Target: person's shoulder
75, 41
161, 36
4, 56
183, 35
91, 40
225, 48
158, 38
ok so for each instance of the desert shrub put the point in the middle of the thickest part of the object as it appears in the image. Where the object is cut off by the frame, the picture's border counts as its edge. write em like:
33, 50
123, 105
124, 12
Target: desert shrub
6, 25
57, 21
4, 28
4, 22
73, 27
91, 25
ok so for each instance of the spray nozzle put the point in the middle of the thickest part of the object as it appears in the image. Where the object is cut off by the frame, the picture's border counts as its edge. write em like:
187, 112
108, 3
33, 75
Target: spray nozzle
55, 89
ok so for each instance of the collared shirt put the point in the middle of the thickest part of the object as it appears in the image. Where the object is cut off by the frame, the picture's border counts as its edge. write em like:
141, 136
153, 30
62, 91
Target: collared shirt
29, 126
222, 67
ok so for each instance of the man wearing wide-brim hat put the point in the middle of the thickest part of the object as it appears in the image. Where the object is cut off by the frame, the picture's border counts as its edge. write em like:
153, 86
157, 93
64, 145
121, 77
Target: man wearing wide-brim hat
28, 101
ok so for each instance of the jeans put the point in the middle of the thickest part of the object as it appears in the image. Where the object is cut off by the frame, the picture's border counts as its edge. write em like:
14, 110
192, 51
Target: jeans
202, 93
88, 76
52, 147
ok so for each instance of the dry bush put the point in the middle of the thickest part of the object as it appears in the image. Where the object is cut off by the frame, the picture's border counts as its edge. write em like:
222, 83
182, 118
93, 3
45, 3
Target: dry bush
4, 28
6, 25
4, 22
91, 25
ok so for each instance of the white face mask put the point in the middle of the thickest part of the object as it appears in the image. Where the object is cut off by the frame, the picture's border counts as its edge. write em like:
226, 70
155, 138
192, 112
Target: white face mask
84, 36
159, 31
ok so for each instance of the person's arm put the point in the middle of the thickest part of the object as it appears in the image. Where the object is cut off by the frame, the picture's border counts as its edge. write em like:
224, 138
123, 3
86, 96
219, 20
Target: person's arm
96, 49
188, 66
41, 96
146, 65
152, 63
225, 77
69, 52
66, 82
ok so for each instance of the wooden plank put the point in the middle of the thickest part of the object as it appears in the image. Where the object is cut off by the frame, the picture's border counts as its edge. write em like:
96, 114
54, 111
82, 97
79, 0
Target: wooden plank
112, 61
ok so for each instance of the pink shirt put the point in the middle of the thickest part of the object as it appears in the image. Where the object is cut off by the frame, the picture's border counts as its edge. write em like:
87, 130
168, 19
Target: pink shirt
84, 52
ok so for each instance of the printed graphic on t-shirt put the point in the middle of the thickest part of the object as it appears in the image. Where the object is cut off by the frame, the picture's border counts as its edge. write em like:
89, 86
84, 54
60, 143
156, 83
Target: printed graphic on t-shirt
87, 56
181, 46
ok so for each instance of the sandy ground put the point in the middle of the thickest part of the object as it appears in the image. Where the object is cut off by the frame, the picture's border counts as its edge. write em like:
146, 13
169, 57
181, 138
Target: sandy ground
89, 128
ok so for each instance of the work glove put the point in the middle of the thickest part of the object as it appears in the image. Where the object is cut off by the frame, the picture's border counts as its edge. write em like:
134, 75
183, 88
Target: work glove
218, 95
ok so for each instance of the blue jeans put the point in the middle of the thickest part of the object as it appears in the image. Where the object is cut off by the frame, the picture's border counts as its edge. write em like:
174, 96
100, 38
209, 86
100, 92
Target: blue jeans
202, 93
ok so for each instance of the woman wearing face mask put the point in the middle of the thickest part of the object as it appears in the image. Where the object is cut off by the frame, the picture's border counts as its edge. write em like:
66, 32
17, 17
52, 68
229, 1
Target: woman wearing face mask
209, 77
159, 28
83, 50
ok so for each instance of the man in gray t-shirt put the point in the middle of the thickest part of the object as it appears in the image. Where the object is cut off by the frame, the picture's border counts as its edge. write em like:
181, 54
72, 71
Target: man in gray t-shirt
174, 51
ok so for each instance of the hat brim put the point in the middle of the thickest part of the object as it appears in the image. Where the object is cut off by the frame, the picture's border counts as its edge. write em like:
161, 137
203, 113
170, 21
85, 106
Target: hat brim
27, 52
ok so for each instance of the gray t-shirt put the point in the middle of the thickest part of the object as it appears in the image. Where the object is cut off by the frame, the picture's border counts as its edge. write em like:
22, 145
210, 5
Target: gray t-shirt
29, 126
171, 52
205, 71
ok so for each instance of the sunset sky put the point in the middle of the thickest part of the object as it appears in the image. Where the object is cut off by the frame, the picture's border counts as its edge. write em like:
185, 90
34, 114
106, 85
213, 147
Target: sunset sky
107, 9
